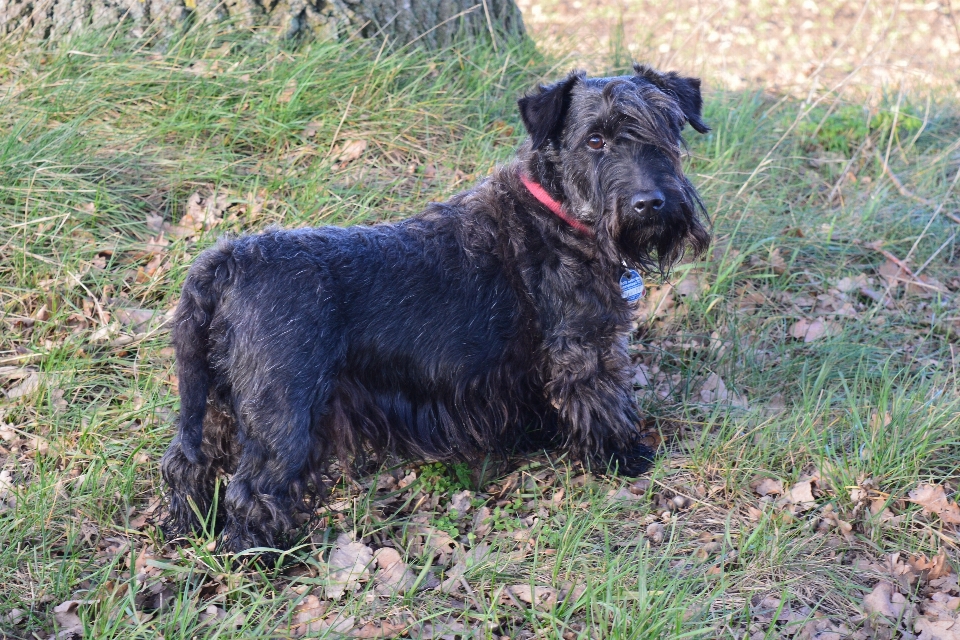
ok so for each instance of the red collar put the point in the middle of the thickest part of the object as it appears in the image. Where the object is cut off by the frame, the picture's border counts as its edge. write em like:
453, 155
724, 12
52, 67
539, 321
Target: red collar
544, 198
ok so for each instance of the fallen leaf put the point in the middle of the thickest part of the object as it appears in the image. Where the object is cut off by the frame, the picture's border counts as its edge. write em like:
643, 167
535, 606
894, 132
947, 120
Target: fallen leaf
544, 598
433, 541
349, 564
336, 623
773, 260
350, 151
768, 487
848, 284
445, 628
137, 320
884, 601
936, 629
713, 389
831, 519
691, 286
754, 514
892, 273
393, 577
465, 561
812, 330
801, 493
67, 619
213, 614
27, 385
460, 503
379, 630
289, 89
483, 522
623, 494
307, 616
936, 567
933, 500
15, 616
203, 213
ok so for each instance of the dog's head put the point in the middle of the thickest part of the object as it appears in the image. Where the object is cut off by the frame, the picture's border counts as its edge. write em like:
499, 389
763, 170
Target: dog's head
614, 148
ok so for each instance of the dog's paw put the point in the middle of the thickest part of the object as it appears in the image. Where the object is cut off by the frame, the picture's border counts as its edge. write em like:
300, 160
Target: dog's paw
631, 462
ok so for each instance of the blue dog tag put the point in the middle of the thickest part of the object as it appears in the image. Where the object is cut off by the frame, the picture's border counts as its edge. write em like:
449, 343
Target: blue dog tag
631, 285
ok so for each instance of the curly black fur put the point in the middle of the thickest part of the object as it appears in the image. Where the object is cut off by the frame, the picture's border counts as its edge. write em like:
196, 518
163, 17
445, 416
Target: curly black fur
482, 324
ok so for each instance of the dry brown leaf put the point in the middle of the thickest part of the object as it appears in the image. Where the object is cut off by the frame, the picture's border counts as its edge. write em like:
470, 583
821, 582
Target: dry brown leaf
937, 567
379, 630
933, 500
461, 502
203, 213
445, 628
773, 260
393, 577
623, 494
213, 613
28, 384
658, 303
884, 600
434, 541
831, 519
544, 598
801, 493
289, 90
349, 564
848, 284
925, 286
768, 487
135, 319
307, 616
7, 487
713, 390
483, 522
936, 629
691, 286
892, 273
335, 623
312, 128
471, 558
811, 330
351, 150
66, 616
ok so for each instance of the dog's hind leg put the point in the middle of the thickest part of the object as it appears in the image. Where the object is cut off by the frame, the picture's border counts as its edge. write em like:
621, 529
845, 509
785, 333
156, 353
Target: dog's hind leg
278, 447
192, 486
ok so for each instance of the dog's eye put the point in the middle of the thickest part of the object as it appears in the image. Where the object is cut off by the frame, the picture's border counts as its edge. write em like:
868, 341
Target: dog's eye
596, 142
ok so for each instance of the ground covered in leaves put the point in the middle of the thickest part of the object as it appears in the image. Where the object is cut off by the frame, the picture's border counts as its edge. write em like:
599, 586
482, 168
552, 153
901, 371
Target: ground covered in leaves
800, 381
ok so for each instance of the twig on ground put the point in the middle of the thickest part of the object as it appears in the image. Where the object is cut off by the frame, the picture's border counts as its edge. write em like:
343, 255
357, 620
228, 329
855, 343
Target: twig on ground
906, 193
889, 256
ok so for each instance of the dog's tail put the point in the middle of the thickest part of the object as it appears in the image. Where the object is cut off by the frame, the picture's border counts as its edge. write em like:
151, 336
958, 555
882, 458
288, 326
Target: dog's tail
205, 283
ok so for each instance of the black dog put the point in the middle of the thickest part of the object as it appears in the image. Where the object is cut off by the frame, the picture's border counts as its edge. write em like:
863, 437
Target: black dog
485, 321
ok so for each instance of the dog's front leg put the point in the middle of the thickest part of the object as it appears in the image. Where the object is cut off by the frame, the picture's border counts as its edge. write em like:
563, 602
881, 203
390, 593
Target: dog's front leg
591, 388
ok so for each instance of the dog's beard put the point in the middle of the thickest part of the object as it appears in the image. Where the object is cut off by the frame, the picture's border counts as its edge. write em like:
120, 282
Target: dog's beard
657, 242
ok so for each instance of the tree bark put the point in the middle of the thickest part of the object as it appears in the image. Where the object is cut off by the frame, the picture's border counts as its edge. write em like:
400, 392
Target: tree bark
435, 23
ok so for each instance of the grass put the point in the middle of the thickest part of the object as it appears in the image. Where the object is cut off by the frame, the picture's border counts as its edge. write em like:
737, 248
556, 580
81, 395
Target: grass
102, 143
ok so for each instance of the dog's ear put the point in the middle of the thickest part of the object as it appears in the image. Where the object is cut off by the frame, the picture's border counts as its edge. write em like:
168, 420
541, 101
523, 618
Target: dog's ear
685, 90
543, 112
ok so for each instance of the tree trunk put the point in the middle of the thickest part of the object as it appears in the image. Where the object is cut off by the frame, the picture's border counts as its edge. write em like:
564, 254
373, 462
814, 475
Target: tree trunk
435, 23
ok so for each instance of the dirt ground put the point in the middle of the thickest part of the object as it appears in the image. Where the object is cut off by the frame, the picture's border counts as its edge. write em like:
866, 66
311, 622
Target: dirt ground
790, 46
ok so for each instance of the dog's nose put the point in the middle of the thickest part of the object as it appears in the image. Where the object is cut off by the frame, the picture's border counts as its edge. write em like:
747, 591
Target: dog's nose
647, 201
